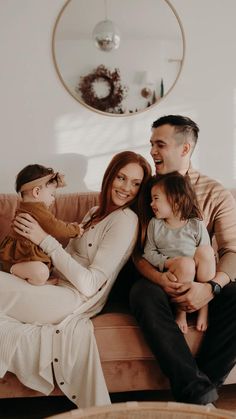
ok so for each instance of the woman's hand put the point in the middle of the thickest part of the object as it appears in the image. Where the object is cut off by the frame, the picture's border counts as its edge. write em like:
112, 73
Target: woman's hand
28, 227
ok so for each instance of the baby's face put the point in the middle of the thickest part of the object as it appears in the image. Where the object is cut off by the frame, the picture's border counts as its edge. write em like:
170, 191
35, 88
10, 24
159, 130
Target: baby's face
47, 194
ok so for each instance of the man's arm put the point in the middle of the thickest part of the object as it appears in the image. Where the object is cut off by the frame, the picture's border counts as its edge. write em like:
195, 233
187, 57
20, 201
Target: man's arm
225, 234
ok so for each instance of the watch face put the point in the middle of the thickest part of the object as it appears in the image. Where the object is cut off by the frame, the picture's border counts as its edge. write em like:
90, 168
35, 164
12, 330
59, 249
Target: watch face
216, 289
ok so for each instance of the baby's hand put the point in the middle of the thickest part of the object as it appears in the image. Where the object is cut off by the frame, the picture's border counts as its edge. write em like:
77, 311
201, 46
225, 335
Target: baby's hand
80, 234
81, 230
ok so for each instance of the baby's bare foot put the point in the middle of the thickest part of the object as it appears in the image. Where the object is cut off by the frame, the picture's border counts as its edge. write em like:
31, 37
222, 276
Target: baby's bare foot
52, 281
201, 325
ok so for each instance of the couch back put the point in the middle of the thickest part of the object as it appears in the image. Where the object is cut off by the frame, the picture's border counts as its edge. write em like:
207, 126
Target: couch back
68, 207
73, 207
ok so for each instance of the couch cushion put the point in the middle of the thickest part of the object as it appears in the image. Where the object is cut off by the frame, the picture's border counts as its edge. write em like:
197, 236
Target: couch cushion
119, 338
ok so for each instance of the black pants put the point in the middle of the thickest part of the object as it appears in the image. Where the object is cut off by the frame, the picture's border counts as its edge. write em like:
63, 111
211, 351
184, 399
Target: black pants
192, 381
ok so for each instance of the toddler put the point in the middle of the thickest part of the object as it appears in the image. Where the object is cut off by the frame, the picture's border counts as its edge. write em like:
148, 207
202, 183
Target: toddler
177, 239
37, 186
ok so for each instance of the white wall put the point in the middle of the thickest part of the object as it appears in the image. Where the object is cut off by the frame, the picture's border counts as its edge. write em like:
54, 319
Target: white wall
41, 122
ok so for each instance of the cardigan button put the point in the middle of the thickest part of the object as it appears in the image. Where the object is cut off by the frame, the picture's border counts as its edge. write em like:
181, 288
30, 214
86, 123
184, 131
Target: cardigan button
62, 382
73, 397
56, 359
90, 244
57, 331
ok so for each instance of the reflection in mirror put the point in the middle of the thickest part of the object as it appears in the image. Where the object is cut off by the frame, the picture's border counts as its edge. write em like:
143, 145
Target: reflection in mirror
118, 57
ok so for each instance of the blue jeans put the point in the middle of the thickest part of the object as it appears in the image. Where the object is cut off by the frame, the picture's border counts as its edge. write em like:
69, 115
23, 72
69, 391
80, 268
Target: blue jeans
192, 380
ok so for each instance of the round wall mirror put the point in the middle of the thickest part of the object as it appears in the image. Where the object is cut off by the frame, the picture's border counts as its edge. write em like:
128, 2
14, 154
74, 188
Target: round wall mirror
118, 57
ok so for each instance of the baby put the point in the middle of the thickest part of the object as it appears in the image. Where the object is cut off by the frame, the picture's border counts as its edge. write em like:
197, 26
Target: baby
37, 186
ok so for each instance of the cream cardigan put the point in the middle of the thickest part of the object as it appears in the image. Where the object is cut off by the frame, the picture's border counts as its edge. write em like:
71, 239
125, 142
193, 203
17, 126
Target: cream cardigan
91, 264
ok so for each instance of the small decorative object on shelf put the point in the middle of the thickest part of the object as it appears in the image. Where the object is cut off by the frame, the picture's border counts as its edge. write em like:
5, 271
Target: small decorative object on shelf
154, 99
146, 92
162, 88
115, 92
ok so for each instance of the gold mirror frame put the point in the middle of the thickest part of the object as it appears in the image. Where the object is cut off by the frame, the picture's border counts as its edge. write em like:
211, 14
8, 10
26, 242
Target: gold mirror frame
95, 75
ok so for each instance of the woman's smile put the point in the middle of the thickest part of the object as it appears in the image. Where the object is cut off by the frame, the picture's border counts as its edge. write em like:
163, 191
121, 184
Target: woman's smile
122, 195
126, 184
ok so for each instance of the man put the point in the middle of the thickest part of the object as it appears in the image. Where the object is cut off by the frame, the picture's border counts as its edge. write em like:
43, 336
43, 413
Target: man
192, 381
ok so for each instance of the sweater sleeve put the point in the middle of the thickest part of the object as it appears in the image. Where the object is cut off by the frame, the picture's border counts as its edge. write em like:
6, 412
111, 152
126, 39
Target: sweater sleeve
225, 233
151, 252
51, 225
115, 246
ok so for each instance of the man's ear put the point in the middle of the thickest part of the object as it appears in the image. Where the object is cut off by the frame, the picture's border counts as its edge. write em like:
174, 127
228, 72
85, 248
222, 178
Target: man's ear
35, 191
186, 149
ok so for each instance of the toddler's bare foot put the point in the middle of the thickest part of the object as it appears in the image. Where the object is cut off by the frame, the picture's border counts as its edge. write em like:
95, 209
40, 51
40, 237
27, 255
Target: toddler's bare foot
202, 319
182, 322
183, 326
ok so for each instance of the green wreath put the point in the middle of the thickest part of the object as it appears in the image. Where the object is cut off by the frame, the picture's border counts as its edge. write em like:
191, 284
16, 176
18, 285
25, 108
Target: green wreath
116, 94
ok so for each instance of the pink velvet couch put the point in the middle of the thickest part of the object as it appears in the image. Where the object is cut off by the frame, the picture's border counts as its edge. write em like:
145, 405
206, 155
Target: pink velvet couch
127, 362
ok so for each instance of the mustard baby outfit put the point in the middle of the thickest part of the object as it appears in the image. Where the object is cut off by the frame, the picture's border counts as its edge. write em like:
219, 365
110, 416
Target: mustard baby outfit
15, 248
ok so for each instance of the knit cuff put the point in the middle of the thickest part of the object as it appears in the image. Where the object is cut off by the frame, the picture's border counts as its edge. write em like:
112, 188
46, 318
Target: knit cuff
49, 244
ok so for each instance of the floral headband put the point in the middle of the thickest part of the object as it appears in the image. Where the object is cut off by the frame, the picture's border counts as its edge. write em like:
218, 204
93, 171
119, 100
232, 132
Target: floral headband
57, 177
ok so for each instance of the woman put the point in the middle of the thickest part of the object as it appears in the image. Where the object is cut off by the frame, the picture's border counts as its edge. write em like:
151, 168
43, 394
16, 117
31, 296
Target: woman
48, 325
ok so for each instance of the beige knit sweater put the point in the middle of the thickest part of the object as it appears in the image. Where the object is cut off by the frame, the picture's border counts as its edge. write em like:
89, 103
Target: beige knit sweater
219, 212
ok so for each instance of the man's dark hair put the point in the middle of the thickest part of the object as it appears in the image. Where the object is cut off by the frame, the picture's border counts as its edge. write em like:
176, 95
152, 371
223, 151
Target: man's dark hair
182, 125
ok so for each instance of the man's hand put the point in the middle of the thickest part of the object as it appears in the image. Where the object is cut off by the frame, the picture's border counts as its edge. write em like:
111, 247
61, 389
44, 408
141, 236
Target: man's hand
194, 295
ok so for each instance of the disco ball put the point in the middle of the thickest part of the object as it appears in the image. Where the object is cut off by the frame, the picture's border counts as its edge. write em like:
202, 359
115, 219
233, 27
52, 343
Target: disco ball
106, 35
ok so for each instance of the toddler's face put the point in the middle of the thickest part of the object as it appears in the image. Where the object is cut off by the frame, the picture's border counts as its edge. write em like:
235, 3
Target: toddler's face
160, 205
47, 194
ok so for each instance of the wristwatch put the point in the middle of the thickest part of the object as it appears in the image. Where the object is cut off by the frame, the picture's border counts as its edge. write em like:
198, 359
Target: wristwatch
216, 288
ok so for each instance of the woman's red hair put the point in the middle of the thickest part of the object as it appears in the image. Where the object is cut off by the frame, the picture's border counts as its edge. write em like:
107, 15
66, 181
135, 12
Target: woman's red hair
119, 161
